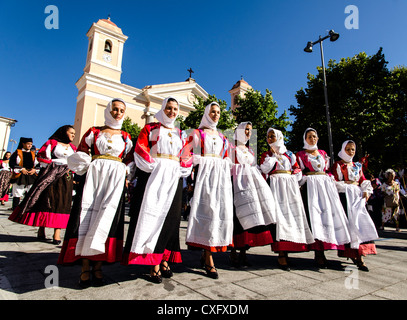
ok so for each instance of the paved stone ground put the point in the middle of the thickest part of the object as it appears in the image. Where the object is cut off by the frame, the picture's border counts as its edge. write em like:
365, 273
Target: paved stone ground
24, 274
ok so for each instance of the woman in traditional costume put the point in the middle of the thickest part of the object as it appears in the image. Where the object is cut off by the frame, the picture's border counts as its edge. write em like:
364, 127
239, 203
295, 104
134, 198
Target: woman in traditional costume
210, 223
391, 193
354, 191
48, 203
324, 209
96, 225
5, 176
254, 205
292, 233
153, 234
23, 163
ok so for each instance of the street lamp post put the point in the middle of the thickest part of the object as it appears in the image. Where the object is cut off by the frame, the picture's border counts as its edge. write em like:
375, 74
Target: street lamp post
12, 144
333, 36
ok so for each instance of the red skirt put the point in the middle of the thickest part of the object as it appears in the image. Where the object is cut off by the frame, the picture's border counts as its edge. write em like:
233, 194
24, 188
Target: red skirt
319, 245
193, 246
363, 250
152, 259
288, 246
48, 203
113, 252
40, 219
253, 237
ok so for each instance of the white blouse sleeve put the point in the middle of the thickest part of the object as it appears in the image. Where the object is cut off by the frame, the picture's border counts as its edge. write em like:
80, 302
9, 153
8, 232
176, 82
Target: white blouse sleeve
366, 186
79, 162
143, 164
268, 164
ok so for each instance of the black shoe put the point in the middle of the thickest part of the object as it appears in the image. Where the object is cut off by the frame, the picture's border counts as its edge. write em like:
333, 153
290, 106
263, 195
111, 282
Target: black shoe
166, 272
57, 242
85, 283
210, 273
156, 277
361, 265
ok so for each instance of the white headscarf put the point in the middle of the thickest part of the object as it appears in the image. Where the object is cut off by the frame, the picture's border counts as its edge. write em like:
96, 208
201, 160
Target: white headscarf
109, 120
343, 155
162, 117
206, 121
240, 132
279, 144
389, 172
306, 145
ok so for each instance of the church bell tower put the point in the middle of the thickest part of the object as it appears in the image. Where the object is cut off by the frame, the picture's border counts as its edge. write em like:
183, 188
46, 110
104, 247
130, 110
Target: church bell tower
239, 89
101, 75
105, 50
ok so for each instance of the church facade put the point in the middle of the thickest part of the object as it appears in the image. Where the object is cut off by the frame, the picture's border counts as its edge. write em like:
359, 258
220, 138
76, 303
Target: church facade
100, 83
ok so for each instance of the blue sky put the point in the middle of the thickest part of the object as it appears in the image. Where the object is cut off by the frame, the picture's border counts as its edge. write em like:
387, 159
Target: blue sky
261, 40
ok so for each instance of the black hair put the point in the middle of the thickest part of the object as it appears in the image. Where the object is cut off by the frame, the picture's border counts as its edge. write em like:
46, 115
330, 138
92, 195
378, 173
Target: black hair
4, 156
172, 100
61, 134
308, 130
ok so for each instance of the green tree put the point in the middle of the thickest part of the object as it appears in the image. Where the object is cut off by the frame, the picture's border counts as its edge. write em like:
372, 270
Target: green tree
262, 111
193, 120
397, 132
362, 104
132, 128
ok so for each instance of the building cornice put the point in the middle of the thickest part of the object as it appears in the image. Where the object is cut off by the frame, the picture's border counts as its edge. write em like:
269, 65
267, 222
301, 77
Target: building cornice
8, 120
155, 93
108, 32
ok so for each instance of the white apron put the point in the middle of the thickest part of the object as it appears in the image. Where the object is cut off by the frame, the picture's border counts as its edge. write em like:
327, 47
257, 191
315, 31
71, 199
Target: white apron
292, 224
158, 197
361, 226
254, 202
101, 193
328, 219
165, 172
211, 216
101, 196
